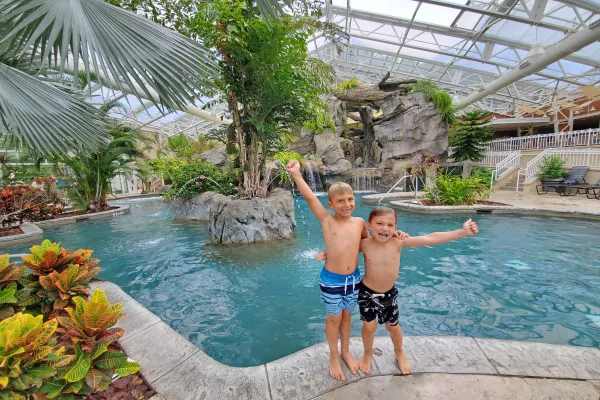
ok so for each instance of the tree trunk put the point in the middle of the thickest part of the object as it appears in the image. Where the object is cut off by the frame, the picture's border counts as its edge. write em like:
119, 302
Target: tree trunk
369, 139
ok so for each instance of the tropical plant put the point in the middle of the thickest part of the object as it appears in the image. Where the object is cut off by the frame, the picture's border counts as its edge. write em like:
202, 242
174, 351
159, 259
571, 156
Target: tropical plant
166, 167
57, 275
25, 203
482, 173
441, 99
198, 177
266, 99
455, 190
27, 351
281, 160
469, 135
350, 84
9, 275
551, 168
88, 174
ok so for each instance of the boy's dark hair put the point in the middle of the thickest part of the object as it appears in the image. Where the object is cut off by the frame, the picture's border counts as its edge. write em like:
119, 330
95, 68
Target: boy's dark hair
377, 211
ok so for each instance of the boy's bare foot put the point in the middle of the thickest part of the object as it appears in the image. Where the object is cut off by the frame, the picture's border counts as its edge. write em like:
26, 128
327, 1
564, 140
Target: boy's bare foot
365, 363
403, 363
351, 362
335, 368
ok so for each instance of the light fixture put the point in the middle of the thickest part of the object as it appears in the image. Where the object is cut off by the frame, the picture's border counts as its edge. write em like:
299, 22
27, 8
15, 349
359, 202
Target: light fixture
536, 51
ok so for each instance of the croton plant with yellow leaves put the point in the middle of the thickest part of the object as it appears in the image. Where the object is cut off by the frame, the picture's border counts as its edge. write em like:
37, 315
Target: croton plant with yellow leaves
54, 342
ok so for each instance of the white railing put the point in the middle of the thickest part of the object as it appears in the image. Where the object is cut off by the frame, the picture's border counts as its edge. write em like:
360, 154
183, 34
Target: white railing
495, 157
396, 184
572, 157
512, 160
588, 137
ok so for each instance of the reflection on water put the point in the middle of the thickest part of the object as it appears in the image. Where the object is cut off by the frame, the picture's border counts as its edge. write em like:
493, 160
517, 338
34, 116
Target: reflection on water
524, 278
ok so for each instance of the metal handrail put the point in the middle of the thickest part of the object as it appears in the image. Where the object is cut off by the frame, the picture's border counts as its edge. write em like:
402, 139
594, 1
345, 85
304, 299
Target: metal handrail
396, 184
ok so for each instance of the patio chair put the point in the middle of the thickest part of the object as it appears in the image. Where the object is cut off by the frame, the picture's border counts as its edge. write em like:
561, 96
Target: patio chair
575, 177
592, 191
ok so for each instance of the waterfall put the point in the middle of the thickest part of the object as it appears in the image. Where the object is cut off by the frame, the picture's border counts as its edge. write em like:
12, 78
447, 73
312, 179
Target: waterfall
313, 178
365, 178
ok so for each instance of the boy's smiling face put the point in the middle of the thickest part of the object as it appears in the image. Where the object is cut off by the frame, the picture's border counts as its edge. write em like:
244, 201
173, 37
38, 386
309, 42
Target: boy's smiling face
382, 227
342, 204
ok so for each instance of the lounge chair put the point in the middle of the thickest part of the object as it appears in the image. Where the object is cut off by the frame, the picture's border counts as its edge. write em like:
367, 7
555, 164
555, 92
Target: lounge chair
592, 191
575, 177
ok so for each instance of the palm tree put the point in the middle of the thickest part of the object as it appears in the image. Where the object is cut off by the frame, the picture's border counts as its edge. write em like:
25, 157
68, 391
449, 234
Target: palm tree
41, 39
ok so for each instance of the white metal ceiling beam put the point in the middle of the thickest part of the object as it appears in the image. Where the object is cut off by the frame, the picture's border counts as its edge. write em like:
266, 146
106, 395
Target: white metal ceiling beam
586, 5
553, 53
459, 33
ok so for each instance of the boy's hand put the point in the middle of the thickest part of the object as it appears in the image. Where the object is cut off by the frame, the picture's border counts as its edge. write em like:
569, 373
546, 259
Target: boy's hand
322, 256
470, 228
293, 167
400, 235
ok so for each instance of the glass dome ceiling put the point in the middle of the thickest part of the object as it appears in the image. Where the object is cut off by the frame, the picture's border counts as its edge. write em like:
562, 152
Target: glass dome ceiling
461, 45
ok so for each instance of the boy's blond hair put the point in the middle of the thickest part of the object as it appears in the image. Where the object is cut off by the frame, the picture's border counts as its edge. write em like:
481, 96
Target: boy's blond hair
338, 189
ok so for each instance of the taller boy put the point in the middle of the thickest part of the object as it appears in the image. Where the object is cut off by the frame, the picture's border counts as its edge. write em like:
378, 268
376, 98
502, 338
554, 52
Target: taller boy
340, 277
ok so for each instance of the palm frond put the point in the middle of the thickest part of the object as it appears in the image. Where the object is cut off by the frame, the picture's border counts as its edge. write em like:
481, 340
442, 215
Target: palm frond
94, 36
44, 117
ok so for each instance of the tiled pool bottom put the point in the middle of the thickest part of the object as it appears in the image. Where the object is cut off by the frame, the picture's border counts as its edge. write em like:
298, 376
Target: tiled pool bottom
522, 278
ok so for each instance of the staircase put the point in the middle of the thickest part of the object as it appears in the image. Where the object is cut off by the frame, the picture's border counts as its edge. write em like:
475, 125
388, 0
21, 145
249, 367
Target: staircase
511, 183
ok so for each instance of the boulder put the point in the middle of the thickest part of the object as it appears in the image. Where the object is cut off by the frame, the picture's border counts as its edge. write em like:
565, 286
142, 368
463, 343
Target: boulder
196, 208
330, 150
410, 127
252, 220
337, 112
358, 162
347, 146
303, 141
217, 156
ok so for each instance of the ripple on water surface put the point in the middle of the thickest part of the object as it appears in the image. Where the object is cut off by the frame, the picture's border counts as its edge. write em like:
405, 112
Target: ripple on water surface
523, 278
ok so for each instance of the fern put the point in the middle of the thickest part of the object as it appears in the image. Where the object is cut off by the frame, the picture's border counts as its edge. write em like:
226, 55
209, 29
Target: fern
441, 99
350, 84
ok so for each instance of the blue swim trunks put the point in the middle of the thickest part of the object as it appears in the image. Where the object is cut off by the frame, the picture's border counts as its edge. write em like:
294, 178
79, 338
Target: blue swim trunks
339, 292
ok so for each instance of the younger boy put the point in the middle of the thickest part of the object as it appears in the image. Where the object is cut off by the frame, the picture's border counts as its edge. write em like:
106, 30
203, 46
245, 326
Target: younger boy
377, 295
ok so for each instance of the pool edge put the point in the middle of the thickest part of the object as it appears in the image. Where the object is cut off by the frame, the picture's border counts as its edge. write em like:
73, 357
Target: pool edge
177, 369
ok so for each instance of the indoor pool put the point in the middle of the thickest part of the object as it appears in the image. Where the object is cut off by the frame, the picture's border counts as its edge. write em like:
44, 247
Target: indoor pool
522, 278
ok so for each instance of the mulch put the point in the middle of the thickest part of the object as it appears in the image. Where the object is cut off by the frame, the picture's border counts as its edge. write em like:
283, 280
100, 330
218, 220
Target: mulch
13, 230
132, 387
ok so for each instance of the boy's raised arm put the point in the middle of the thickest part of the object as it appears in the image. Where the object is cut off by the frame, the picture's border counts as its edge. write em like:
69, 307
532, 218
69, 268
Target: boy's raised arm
469, 229
293, 168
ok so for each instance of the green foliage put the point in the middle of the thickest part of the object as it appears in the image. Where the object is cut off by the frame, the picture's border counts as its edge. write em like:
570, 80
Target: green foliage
441, 99
482, 173
188, 149
551, 168
281, 160
267, 71
321, 121
166, 167
88, 174
454, 190
469, 135
197, 177
350, 84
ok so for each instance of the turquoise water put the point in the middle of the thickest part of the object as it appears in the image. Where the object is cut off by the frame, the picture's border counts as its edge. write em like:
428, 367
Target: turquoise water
522, 278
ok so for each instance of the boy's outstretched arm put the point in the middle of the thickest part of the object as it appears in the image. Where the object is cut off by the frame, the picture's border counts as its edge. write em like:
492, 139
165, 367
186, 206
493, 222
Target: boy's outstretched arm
293, 168
469, 228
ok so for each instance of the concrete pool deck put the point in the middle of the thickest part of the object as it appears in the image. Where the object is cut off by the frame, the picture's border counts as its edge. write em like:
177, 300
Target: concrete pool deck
178, 370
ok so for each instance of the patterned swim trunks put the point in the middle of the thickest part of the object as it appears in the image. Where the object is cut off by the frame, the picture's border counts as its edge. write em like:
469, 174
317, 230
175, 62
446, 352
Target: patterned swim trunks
382, 305
339, 292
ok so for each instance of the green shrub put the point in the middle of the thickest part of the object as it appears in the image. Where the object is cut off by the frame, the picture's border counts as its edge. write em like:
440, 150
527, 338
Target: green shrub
485, 174
454, 190
281, 159
350, 84
551, 168
197, 177
166, 167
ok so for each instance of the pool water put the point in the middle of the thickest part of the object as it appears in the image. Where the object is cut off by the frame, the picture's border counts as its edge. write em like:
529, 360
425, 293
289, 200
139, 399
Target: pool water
522, 278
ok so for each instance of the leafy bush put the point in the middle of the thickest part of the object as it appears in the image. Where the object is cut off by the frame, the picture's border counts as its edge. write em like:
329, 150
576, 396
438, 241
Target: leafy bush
454, 190
281, 160
198, 177
24, 203
441, 99
166, 167
482, 173
551, 168
68, 352
350, 84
